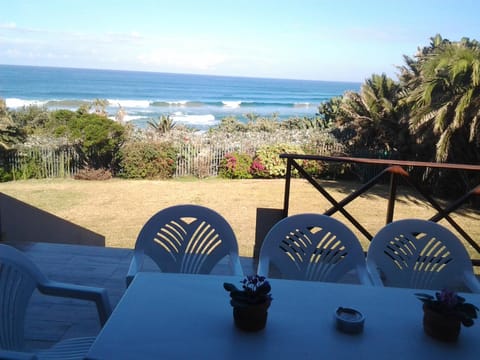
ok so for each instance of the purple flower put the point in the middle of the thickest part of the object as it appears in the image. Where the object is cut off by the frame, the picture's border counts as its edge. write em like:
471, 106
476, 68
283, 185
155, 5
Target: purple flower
449, 303
448, 298
255, 290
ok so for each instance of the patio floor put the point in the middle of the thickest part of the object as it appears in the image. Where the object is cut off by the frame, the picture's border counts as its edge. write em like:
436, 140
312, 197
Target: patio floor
51, 319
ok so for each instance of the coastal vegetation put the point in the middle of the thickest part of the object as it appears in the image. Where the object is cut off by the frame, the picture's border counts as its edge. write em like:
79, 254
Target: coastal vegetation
430, 113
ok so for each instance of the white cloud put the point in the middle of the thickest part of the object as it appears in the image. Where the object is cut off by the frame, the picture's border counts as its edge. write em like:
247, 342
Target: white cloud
183, 60
132, 50
8, 25
13, 53
132, 37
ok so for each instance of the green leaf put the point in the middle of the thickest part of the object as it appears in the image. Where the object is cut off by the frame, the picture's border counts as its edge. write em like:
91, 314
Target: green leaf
230, 287
264, 289
470, 310
423, 296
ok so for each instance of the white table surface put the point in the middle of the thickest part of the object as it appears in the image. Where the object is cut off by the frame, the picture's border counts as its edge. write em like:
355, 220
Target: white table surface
178, 316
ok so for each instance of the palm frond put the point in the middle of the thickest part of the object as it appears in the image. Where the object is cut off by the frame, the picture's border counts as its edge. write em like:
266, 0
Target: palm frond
443, 145
474, 133
416, 122
476, 72
440, 120
461, 109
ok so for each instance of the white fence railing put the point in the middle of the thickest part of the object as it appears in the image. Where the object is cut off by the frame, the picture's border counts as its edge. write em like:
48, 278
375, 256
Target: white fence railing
39, 162
193, 159
203, 160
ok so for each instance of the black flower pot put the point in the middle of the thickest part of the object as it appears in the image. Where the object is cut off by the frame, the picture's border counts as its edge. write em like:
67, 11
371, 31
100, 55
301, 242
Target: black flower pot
252, 317
439, 326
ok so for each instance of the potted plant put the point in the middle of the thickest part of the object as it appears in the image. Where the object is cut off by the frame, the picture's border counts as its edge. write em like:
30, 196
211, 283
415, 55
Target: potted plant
250, 303
444, 313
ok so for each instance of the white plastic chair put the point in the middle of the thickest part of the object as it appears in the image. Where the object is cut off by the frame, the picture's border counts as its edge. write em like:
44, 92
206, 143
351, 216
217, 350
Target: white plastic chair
19, 277
312, 247
419, 254
186, 239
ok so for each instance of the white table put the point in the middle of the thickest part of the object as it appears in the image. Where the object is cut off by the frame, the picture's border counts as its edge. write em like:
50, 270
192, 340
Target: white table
177, 316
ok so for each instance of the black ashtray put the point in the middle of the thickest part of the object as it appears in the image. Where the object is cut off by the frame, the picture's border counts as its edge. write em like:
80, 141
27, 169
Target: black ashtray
349, 320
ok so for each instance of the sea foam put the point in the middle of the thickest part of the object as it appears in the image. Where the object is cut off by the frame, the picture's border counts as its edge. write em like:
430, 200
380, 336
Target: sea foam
302, 105
231, 104
17, 103
198, 120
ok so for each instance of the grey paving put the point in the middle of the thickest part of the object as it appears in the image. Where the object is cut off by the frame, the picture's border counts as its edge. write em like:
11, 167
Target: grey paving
51, 319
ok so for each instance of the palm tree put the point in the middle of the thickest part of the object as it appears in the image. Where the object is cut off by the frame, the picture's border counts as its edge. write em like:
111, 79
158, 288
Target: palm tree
445, 103
165, 124
410, 73
329, 110
372, 119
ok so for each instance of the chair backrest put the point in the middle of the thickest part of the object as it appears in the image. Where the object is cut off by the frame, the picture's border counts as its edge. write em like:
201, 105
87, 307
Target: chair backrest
187, 239
417, 254
19, 277
311, 247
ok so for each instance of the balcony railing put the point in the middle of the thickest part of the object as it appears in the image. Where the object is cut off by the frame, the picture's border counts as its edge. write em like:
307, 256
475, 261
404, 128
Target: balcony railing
395, 170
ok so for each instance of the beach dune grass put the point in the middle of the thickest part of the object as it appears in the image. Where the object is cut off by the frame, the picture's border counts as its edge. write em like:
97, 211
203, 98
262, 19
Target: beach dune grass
118, 208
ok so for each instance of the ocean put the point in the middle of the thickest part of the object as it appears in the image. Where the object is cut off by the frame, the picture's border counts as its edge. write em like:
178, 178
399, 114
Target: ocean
199, 101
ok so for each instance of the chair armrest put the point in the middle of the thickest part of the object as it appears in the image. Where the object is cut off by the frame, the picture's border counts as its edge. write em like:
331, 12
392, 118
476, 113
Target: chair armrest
472, 282
135, 266
98, 295
263, 267
364, 276
236, 265
375, 276
16, 355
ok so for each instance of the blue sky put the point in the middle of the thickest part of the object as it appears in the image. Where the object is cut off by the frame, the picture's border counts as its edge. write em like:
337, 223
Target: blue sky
298, 39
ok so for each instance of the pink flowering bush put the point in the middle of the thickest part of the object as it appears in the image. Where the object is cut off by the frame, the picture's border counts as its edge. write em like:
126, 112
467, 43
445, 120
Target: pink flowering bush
235, 166
257, 169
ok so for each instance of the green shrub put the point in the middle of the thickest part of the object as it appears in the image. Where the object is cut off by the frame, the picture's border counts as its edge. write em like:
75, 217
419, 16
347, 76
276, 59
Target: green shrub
31, 166
228, 124
5, 175
147, 160
96, 137
314, 168
235, 166
269, 156
338, 170
30, 117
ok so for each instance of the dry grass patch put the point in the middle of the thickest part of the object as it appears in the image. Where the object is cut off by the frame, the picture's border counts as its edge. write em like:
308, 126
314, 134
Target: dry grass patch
117, 208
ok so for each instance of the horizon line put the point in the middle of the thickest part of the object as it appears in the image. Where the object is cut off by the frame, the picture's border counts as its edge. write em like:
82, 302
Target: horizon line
177, 73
